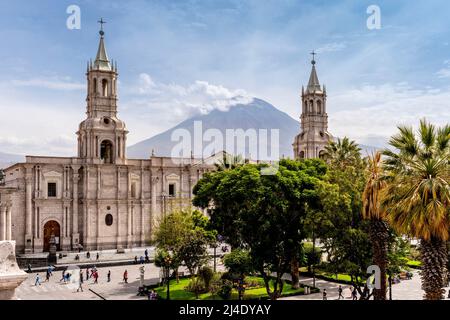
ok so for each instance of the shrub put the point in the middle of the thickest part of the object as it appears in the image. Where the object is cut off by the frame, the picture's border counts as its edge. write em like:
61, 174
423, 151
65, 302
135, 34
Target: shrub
206, 274
238, 262
225, 290
196, 286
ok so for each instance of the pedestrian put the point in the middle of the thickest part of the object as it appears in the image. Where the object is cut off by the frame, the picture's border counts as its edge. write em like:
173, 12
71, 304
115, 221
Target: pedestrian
141, 260
88, 255
80, 282
49, 270
38, 280
324, 294
146, 252
97, 257
63, 276
47, 276
125, 276
340, 293
135, 260
109, 275
87, 273
29, 268
96, 277
354, 294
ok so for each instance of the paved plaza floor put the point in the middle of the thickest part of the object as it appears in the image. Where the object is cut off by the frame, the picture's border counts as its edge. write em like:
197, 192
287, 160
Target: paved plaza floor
118, 290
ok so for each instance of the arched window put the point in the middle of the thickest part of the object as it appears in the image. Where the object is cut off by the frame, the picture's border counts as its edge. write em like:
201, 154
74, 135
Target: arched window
319, 107
106, 151
302, 154
104, 87
109, 219
311, 106
94, 86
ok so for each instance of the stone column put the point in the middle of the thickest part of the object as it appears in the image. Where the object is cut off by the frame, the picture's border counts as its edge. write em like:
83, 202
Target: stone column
153, 215
75, 234
10, 274
2, 223
8, 223
29, 209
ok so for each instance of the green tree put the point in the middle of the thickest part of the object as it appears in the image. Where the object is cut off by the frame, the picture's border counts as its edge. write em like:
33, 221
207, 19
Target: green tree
186, 234
263, 213
417, 198
238, 262
341, 228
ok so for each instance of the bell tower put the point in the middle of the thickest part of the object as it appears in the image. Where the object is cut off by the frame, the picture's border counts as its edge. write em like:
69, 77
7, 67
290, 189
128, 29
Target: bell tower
102, 135
314, 135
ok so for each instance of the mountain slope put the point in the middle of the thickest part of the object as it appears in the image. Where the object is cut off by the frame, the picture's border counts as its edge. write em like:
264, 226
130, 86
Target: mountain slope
256, 115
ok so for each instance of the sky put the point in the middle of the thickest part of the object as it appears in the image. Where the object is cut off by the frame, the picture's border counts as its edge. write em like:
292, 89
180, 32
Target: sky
181, 58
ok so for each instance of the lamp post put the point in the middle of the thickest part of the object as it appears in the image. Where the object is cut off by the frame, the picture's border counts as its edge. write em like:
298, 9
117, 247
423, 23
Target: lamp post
167, 264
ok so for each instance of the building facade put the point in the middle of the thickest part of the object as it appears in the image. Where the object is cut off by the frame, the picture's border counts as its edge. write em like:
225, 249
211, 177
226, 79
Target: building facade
314, 135
98, 199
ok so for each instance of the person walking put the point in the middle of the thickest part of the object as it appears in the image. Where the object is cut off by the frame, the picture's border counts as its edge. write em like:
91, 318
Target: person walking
97, 257
340, 293
47, 276
87, 273
109, 275
80, 282
29, 268
38, 280
125, 276
88, 255
63, 277
324, 294
354, 294
96, 277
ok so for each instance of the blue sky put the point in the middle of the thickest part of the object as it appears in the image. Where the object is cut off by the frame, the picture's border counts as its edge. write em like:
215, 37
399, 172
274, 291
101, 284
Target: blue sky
179, 58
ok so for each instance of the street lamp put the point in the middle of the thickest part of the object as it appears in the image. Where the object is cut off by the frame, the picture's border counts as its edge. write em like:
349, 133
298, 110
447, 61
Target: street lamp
167, 263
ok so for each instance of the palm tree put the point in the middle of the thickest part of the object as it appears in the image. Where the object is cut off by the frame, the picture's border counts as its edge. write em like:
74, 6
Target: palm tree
373, 211
229, 161
341, 153
417, 197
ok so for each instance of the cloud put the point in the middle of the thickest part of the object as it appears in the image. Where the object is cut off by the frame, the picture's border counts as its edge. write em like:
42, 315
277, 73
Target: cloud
199, 97
54, 83
371, 114
34, 145
332, 47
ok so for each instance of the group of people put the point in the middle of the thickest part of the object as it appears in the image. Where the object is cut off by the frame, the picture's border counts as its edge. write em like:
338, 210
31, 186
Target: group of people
142, 259
353, 293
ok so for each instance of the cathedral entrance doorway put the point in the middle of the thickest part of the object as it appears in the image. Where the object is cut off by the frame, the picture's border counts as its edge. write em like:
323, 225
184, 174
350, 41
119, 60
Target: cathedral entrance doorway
51, 228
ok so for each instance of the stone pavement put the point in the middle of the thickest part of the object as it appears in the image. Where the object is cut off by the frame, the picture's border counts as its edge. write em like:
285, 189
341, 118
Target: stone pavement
114, 290
405, 290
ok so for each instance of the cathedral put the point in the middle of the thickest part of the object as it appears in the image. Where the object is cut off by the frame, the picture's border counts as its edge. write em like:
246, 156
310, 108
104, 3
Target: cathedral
314, 135
99, 199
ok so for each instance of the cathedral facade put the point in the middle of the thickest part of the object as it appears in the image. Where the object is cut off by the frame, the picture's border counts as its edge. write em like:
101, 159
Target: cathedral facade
99, 199
314, 135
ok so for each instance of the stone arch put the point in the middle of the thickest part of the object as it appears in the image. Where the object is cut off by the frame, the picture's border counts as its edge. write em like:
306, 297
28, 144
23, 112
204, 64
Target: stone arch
302, 154
322, 154
51, 226
107, 151
95, 86
311, 106
105, 88
319, 107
